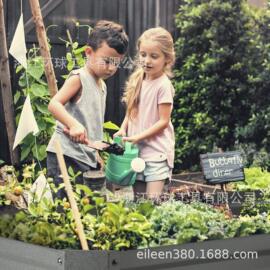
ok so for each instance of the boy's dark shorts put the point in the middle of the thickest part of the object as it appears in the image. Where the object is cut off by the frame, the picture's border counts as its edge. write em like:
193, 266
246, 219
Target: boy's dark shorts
53, 171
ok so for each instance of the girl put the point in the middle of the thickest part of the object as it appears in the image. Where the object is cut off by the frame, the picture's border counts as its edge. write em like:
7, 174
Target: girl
149, 100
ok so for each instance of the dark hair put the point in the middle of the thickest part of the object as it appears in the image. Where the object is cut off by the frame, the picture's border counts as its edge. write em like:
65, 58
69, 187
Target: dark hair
111, 33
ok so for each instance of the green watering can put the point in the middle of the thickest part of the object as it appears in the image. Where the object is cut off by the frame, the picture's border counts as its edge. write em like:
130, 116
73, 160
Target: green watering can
122, 169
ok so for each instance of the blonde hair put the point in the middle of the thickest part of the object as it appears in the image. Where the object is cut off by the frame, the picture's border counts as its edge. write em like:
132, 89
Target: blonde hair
133, 86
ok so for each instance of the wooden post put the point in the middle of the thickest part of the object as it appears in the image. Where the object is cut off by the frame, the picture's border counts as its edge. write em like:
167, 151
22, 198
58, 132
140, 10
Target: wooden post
68, 187
6, 91
43, 44
223, 186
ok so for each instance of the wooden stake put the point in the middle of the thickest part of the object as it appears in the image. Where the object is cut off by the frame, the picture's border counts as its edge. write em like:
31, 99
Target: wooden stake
223, 186
44, 47
6, 91
68, 187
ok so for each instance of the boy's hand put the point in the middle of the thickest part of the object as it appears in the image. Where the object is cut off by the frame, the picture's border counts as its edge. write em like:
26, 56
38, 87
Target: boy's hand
120, 133
77, 133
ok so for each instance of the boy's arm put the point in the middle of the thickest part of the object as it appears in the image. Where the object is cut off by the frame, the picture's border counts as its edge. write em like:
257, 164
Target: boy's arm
70, 88
165, 110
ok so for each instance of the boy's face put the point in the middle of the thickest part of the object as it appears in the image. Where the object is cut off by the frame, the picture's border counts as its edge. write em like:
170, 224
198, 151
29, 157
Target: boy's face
103, 62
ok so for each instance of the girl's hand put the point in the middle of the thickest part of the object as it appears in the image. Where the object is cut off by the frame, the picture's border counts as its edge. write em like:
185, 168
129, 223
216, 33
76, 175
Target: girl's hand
120, 133
77, 133
133, 139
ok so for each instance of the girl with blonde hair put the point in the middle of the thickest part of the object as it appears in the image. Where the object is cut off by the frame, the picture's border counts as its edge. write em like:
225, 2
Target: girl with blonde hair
149, 101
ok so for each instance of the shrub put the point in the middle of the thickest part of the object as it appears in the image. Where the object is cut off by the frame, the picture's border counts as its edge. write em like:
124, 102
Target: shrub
220, 80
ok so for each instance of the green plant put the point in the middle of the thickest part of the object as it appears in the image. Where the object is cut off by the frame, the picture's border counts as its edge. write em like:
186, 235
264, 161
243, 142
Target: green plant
14, 186
3, 199
108, 128
175, 223
75, 56
260, 206
32, 83
106, 225
248, 225
255, 179
119, 227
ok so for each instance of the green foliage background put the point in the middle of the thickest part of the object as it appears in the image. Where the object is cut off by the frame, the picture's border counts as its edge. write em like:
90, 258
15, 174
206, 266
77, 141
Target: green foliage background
222, 80
32, 83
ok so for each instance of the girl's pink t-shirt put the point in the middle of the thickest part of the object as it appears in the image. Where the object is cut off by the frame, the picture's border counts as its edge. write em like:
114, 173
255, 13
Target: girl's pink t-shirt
161, 146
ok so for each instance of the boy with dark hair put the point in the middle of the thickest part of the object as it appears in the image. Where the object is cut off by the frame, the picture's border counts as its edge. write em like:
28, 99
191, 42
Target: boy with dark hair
79, 106
113, 33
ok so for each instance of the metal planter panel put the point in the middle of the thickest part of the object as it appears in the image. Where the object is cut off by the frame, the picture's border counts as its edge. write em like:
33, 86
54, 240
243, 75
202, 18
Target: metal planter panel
15, 255
128, 260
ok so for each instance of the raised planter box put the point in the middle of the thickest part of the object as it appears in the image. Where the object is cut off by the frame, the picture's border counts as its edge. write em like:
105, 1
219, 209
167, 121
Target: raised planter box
236, 199
191, 176
15, 255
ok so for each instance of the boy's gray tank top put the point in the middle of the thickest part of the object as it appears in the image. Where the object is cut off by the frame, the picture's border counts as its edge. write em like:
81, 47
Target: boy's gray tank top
89, 110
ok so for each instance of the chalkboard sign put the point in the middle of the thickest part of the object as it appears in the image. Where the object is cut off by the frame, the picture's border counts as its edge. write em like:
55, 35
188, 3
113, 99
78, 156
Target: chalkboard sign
224, 167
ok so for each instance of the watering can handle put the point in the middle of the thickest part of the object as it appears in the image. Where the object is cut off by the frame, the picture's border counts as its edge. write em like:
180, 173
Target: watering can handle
128, 146
118, 139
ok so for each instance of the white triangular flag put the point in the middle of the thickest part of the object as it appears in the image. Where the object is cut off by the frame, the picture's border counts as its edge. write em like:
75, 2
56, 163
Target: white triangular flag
27, 123
40, 189
18, 47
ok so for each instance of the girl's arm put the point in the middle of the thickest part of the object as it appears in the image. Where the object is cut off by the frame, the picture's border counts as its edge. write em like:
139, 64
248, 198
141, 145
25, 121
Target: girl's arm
164, 110
123, 129
124, 124
70, 89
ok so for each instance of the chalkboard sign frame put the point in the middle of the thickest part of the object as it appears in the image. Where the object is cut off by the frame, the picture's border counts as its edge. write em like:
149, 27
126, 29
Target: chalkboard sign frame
216, 171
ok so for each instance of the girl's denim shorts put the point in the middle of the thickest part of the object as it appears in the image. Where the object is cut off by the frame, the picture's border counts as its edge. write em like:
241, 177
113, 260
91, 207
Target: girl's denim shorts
155, 171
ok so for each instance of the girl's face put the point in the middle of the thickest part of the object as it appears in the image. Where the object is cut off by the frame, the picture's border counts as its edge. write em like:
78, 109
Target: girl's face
152, 59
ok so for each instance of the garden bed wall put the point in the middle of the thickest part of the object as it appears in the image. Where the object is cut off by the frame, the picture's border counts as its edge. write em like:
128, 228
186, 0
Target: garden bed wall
15, 255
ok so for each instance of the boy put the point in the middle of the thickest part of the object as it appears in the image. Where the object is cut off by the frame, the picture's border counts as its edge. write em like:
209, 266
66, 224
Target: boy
79, 106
